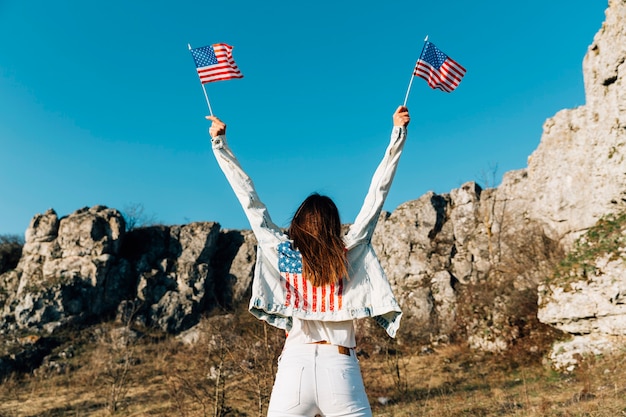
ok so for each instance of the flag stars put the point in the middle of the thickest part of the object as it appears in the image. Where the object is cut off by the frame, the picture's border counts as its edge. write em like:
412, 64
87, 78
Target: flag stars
289, 260
204, 56
434, 57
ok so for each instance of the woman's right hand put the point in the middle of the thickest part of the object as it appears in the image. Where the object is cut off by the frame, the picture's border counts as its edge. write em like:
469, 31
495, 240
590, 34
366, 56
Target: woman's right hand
401, 117
217, 127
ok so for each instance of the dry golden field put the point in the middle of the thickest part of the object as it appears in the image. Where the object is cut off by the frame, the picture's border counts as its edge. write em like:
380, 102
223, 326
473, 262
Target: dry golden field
230, 370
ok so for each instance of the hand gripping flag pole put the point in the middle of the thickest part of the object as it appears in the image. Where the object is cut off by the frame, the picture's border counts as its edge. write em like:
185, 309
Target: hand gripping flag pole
437, 68
214, 63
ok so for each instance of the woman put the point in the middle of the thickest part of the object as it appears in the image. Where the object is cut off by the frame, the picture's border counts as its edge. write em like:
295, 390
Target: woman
313, 283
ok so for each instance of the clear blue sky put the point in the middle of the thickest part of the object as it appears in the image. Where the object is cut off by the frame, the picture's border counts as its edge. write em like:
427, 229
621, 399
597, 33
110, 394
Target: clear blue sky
100, 102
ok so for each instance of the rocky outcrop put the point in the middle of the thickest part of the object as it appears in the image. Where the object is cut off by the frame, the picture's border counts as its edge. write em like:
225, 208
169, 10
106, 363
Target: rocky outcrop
586, 297
173, 277
491, 249
86, 267
473, 259
578, 172
582, 162
234, 265
69, 270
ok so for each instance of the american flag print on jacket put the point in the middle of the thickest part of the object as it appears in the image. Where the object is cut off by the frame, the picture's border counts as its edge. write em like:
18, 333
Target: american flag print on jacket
299, 292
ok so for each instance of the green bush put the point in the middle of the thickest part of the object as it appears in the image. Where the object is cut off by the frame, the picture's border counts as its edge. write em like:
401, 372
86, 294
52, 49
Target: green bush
606, 238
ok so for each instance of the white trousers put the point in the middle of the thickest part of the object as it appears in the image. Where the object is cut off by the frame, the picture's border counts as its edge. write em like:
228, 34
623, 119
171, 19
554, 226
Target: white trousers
316, 379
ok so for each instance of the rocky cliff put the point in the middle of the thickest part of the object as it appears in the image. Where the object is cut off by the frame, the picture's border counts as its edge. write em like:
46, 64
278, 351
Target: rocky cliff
473, 264
578, 176
475, 257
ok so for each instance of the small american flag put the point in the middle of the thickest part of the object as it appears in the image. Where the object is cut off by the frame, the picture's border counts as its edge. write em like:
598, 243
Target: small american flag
299, 293
438, 69
215, 63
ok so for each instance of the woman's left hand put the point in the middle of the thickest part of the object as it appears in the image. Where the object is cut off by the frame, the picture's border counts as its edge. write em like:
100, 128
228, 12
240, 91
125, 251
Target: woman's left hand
217, 127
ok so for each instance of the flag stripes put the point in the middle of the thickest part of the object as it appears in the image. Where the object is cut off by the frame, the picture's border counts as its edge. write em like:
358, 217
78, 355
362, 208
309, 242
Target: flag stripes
438, 69
302, 295
215, 63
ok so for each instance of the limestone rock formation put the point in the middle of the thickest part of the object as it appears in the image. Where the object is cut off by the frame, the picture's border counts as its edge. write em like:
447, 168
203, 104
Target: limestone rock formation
581, 162
85, 267
174, 277
471, 257
69, 269
234, 264
578, 172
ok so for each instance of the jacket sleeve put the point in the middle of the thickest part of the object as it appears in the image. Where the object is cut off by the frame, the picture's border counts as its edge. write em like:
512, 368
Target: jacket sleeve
264, 229
363, 227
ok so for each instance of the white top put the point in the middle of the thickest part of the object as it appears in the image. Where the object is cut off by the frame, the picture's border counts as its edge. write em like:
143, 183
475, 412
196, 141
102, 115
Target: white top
340, 333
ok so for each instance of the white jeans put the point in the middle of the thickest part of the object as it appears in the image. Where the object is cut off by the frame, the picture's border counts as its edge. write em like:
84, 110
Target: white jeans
317, 379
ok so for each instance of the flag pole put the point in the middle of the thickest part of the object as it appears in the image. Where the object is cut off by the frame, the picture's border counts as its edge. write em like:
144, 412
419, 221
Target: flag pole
206, 96
406, 98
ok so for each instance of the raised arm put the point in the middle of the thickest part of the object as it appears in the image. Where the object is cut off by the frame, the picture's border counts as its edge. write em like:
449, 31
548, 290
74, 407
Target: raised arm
262, 226
365, 223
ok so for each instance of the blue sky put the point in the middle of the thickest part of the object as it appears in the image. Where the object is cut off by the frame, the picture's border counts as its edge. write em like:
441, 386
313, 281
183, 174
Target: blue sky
100, 102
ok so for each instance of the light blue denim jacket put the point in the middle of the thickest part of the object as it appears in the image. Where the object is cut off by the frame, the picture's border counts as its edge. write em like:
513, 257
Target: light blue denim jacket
367, 292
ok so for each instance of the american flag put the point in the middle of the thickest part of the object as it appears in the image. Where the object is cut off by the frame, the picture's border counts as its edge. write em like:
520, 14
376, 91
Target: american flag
215, 63
299, 292
438, 69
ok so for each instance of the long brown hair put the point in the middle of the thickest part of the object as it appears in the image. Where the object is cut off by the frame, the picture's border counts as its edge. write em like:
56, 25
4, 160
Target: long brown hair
316, 232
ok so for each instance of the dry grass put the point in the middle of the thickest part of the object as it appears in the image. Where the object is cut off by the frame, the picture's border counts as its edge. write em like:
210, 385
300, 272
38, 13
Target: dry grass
453, 382
229, 372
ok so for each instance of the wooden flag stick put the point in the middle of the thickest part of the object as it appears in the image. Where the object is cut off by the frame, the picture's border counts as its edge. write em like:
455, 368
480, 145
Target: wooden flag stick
406, 98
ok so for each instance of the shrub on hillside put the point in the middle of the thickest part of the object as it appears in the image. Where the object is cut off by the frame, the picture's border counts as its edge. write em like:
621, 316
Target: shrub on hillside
10, 251
499, 312
607, 238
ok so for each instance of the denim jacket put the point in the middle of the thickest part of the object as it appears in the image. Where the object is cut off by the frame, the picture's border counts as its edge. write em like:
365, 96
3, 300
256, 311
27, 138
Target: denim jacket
277, 296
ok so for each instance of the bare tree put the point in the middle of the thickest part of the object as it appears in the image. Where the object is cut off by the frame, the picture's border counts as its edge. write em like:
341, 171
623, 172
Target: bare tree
135, 216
